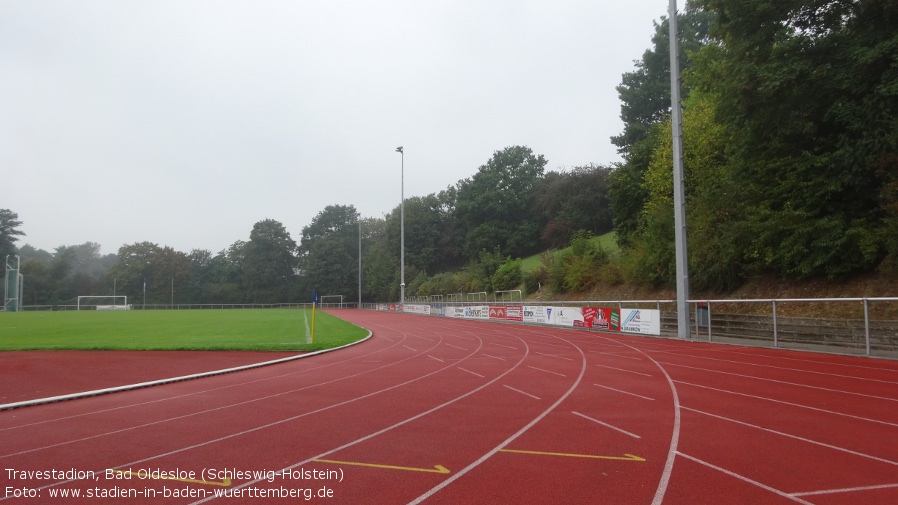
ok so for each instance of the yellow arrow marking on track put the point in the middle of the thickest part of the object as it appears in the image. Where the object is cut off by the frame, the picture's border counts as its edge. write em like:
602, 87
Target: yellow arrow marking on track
224, 483
625, 457
435, 469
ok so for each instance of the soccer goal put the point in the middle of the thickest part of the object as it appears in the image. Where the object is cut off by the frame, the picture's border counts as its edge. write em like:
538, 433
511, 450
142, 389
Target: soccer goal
119, 302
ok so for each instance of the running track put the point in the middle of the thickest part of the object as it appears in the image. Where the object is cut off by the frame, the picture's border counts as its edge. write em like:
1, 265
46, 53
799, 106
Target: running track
445, 411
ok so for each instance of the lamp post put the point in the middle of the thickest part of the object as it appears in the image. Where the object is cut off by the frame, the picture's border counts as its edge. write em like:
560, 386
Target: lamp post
402, 231
359, 218
679, 183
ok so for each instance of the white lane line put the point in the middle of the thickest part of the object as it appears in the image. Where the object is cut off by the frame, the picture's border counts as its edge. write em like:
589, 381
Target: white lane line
472, 373
790, 404
510, 439
746, 479
407, 347
547, 371
625, 370
458, 347
790, 369
554, 356
503, 345
495, 357
434, 357
615, 428
617, 355
785, 382
522, 392
624, 392
796, 437
846, 490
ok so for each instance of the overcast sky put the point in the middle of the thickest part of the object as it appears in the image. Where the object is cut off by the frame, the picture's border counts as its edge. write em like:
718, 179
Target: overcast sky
183, 123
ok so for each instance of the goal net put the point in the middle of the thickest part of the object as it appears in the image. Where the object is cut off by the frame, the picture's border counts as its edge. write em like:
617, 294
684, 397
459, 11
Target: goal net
108, 302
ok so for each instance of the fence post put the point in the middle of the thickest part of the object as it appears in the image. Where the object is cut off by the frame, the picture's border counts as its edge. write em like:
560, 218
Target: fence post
775, 336
709, 320
867, 325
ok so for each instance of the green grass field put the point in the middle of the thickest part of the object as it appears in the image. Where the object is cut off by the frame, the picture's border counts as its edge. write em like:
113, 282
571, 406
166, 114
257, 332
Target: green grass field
236, 329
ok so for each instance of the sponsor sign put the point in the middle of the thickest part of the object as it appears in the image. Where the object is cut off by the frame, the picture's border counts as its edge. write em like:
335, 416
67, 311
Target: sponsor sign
497, 312
514, 313
417, 309
602, 318
535, 314
644, 321
566, 316
477, 312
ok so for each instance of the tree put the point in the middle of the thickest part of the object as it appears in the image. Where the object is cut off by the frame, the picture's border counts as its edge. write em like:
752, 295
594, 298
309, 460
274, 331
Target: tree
572, 200
328, 252
807, 93
494, 205
9, 232
269, 262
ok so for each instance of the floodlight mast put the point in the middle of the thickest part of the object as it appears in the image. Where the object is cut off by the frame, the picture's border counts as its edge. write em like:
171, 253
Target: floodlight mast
679, 182
402, 231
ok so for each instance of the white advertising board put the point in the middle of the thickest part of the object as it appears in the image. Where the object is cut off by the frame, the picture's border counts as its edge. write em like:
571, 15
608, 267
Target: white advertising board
643, 321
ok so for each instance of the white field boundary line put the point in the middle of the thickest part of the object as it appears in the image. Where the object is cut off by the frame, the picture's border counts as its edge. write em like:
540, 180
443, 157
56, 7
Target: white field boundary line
159, 382
745, 479
275, 423
204, 391
886, 398
791, 404
794, 437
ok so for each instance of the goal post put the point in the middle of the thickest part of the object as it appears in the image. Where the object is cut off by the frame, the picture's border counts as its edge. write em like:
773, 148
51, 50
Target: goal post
119, 302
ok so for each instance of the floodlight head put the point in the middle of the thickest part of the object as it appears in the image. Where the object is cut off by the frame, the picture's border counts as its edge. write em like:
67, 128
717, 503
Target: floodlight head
399, 149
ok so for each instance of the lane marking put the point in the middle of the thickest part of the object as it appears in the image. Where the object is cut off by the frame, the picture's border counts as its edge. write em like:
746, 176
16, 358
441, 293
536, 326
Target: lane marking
624, 370
522, 392
796, 437
790, 369
224, 483
407, 347
845, 490
436, 468
625, 432
625, 457
790, 404
553, 356
434, 357
786, 382
617, 355
503, 345
472, 373
746, 479
624, 392
457, 347
495, 357
547, 371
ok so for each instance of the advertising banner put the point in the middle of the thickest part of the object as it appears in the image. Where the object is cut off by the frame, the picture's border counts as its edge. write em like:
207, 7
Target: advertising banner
535, 314
455, 312
644, 321
602, 318
514, 313
477, 312
566, 316
497, 312
417, 309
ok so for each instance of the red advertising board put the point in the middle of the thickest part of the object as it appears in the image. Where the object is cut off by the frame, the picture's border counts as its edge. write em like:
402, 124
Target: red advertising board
497, 312
602, 318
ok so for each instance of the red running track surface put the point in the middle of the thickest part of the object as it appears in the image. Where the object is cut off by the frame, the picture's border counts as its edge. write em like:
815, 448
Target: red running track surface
444, 411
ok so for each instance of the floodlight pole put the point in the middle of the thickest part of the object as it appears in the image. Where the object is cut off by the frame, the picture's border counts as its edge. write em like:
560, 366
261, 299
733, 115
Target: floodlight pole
402, 231
359, 218
679, 182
